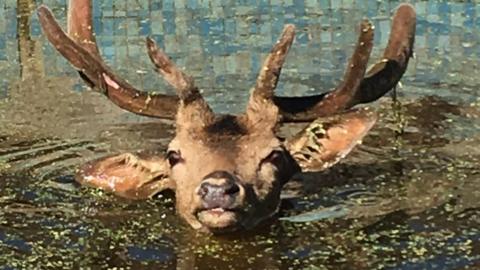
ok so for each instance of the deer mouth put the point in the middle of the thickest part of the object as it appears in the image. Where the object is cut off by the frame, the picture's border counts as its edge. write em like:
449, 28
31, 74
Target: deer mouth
219, 218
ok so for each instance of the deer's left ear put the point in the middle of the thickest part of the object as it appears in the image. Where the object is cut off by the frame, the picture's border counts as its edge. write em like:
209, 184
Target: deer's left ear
327, 140
127, 175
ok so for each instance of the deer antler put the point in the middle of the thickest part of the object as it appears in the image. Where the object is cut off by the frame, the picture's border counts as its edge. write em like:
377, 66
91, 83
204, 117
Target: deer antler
380, 79
94, 71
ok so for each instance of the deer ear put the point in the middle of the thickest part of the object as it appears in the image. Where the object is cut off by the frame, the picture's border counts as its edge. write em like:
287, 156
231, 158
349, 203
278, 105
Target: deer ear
327, 140
127, 175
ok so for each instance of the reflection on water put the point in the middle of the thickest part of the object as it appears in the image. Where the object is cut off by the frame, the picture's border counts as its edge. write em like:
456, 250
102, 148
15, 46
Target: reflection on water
408, 198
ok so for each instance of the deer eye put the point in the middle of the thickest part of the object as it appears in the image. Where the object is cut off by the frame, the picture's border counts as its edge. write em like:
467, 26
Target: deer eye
274, 157
174, 157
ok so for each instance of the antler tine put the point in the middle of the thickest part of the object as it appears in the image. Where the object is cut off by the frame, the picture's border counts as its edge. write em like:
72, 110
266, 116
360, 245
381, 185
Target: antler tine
270, 72
94, 71
402, 35
341, 98
261, 110
79, 25
79, 28
183, 83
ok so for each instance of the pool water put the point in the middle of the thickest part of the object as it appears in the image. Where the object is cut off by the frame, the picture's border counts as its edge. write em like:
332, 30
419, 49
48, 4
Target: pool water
407, 198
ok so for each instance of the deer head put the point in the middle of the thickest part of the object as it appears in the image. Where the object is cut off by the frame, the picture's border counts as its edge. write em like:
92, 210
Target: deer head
227, 171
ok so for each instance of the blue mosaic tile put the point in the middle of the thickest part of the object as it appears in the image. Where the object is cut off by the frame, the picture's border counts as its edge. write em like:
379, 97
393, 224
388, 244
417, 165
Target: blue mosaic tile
469, 14
119, 26
377, 38
326, 37
233, 49
302, 38
395, 3
382, 32
444, 11
263, 6
35, 29
192, 4
106, 27
133, 13
11, 21
254, 29
229, 11
432, 7
105, 42
214, 48
221, 79
145, 28
278, 10
97, 9
210, 27
372, 8
324, 4
277, 27
106, 4
168, 23
457, 8
156, 6
336, 18
422, 25
432, 39
230, 26
298, 7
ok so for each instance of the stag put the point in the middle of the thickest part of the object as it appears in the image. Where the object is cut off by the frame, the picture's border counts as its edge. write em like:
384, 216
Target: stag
227, 171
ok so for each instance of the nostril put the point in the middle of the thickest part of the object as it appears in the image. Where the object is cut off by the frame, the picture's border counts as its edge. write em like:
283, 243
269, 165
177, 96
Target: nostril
232, 189
203, 190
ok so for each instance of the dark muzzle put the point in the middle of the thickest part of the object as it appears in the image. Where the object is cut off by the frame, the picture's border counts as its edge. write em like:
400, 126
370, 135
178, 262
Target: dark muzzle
218, 190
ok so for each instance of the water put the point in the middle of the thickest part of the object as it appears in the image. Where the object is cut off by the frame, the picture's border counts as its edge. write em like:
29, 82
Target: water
408, 198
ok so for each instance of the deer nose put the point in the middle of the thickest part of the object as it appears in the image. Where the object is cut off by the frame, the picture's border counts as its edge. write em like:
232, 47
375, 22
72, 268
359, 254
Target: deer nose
218, 190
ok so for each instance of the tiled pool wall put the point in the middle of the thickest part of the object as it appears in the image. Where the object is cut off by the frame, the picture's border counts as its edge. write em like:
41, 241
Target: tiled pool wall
222, 43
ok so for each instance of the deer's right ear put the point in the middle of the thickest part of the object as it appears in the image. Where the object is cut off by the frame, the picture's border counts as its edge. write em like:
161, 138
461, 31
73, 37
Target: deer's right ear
327, 140
127, 175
